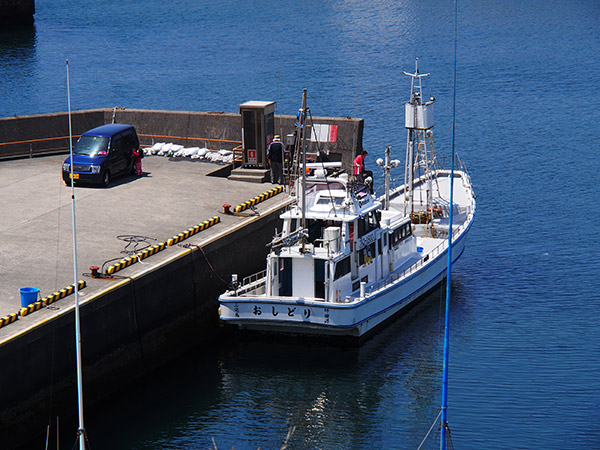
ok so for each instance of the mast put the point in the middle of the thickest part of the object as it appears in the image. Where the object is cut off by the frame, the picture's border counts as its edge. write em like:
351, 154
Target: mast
445, 432
81, 430
418, 120
387, 165
387, 177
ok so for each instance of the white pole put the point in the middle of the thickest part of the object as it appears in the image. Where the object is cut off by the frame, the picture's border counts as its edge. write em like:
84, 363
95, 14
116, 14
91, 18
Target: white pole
303, 130
386, 179
81, 430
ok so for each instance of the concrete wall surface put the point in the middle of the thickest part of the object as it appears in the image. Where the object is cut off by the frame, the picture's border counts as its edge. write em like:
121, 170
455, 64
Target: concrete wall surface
15, 130
204, 129
127, 331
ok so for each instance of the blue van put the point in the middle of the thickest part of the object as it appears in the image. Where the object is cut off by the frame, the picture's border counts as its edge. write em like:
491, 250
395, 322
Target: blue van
101, 154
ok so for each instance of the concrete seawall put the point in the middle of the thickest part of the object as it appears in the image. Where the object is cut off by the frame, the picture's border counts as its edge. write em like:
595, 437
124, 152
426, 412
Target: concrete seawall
46, 134
128, 329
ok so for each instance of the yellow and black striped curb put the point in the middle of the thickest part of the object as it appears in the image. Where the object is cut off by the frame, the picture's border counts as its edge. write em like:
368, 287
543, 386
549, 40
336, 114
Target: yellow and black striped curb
8, 319
259, 198
193, 230
126, 262
51, 298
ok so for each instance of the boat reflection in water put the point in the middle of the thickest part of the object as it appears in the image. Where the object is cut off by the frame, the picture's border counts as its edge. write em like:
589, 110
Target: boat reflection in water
250, 392
383, 391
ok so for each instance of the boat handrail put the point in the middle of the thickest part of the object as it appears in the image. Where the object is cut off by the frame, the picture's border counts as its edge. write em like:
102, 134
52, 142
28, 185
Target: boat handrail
327, 244
380, 191
285, 239
252, 281
434, 252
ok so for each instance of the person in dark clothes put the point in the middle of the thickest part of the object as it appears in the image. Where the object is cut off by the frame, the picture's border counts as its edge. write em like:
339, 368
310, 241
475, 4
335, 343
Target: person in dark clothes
275, 158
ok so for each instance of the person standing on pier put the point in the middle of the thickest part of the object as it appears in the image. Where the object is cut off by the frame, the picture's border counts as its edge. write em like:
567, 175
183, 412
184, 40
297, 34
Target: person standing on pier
138, 154
275, 153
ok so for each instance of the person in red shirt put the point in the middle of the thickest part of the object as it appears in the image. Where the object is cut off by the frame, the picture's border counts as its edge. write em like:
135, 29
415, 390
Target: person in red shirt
138, 154
359, 165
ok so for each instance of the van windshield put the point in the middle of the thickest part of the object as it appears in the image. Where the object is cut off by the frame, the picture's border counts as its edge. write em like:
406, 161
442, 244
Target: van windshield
91, 146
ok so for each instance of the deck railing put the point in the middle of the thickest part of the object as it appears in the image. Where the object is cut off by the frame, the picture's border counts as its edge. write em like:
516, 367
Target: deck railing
252, 282
440, 248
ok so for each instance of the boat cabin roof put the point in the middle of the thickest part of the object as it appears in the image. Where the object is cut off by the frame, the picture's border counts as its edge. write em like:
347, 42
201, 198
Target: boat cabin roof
328, 199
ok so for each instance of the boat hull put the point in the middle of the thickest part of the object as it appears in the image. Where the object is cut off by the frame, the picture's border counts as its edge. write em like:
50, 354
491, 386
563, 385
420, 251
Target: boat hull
292, 315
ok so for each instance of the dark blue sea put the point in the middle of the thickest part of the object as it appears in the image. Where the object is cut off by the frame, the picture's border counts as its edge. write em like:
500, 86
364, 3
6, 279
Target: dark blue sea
525, 333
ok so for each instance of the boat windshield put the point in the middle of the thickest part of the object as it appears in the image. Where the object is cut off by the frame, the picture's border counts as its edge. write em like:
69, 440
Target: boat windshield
91, 146
361, 190
331, 186
326, 200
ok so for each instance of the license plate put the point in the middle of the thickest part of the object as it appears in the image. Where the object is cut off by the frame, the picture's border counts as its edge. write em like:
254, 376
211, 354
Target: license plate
75, 176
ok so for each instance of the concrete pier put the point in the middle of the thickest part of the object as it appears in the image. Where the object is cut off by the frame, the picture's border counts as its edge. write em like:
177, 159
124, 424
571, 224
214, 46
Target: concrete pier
154, 308
149, 312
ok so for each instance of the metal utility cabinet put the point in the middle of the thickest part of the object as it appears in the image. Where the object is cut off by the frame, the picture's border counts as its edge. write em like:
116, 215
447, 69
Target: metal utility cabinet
258, 128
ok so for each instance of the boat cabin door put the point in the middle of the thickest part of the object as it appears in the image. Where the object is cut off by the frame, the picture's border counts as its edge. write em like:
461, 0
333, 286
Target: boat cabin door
258, 129
302, 277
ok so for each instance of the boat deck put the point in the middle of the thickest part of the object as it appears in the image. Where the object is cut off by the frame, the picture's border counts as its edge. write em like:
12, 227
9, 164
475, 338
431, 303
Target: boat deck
35, 224
441, 188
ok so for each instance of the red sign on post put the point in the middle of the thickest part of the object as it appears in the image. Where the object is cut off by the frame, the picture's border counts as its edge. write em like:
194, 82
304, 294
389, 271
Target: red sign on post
252, 156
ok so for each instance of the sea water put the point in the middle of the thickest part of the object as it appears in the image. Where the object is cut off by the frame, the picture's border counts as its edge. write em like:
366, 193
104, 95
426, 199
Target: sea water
525, 340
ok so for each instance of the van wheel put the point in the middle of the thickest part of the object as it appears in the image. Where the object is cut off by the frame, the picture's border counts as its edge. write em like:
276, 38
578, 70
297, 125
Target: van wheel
106, 179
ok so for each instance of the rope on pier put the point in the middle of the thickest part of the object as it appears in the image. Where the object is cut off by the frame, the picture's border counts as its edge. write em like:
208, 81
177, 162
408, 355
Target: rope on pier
126, 262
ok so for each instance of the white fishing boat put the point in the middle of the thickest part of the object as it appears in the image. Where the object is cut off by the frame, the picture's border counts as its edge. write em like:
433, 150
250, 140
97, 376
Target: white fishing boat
347, 260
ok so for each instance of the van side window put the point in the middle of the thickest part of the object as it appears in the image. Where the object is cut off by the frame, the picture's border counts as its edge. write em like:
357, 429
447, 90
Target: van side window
128, 140
117, 144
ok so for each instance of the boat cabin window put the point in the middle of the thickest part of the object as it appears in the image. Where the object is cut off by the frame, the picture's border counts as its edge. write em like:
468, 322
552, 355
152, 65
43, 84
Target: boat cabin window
331, 186
400, 233
368, 223
285, 277
319, 278
316, 228
327, 200
366, 254
360, 190
342, 268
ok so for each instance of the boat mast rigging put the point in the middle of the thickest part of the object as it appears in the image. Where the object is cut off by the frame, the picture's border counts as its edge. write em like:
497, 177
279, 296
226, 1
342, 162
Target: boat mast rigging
420, 157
